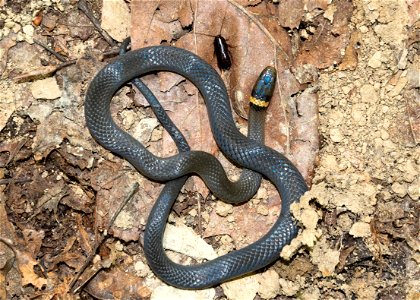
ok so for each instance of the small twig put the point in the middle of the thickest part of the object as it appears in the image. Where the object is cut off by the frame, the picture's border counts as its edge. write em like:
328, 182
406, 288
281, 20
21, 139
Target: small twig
55, 53
15, 151
9, 243
9, 263
99, 241
12, 180
112, 52
42, 72
82, 5
200, 227
134, 190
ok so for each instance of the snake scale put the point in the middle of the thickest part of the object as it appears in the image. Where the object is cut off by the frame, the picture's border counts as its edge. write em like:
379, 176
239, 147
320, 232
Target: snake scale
243, 151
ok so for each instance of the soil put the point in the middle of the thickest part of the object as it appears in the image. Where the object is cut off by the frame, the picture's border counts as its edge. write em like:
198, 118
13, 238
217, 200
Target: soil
73, 214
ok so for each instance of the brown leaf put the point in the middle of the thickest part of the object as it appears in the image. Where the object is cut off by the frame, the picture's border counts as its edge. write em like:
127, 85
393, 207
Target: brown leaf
33, 240
350, 58
118, 284
247, 223
291, 13
113, 187
26, 266
5, 45
83, 236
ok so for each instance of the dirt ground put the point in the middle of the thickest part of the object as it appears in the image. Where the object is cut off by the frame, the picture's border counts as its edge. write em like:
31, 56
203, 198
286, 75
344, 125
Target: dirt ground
346, 111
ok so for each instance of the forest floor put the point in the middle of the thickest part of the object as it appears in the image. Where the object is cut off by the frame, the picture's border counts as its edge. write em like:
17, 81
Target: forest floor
346, 111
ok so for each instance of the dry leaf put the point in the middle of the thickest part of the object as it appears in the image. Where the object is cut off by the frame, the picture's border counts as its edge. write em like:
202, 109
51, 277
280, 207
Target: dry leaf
26, 266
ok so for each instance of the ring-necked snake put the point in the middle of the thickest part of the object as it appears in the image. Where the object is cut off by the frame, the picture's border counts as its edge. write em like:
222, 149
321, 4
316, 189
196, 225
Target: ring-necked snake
247, 152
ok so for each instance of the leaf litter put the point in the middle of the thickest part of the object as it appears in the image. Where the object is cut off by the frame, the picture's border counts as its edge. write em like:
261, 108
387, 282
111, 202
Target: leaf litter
346, 85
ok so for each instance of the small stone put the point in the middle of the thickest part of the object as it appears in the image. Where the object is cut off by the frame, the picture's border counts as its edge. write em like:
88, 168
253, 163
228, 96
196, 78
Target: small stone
389, 146
262, 193
363, 29
183, 239
368, 94
402, 62
335, 118
346, 89
269, 284
244, 288
193, 212
141, 269
336, 135
143, 129
375, 61
119, 246
262, 210
116, 18
28, 30
414, 190
384, 134
358, 114
329, 12
164, 292
329, 162
16, 28
9, 24
399, 189
288, 287
223, 209
360, 229
45, 89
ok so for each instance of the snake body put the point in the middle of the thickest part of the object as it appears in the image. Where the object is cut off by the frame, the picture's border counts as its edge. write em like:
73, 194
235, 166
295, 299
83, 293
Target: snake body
243, 151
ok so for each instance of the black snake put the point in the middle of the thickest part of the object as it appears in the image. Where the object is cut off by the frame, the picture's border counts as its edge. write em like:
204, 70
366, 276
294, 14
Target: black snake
243, 151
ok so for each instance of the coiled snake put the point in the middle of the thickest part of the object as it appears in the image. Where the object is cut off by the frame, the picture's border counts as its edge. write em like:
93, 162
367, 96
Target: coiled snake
246, 152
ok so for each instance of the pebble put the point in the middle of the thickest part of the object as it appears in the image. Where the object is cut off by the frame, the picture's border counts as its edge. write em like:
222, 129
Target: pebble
384, 134
262, 193
368, 94
346, 89
45, 89
375, 61
363, 29
329, 161
360, 229
269, 284
289, 288
244, 288
262, 210
358, 114
116, 19
399, 189
143, 129
223, 209
414, 190
336, 135
193, 212
141, 269
165, 292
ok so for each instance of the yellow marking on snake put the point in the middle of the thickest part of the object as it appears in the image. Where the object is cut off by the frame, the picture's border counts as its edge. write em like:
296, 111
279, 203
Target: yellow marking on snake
259, 103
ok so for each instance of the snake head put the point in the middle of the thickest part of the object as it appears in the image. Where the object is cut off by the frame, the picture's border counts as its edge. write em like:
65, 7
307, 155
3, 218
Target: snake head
264, 88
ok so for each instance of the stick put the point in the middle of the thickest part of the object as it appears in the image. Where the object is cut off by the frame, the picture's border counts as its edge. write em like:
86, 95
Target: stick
134, 190
55, 53
82, 5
